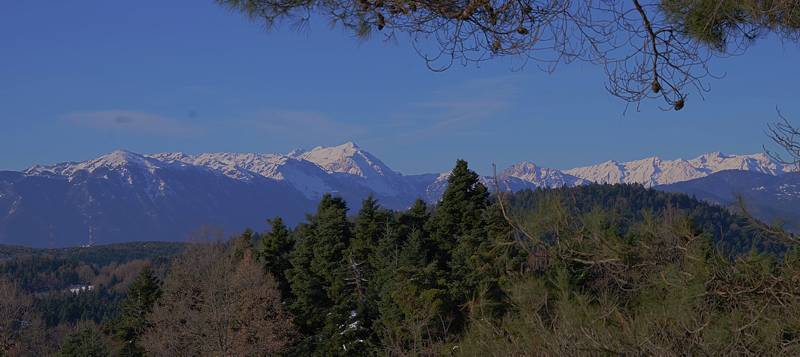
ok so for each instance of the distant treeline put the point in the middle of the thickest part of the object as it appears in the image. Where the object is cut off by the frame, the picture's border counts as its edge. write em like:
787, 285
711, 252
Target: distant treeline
592, 270
97, 255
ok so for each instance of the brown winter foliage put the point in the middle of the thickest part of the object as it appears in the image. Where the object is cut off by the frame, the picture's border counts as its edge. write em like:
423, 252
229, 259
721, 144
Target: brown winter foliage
21, 330
218, 302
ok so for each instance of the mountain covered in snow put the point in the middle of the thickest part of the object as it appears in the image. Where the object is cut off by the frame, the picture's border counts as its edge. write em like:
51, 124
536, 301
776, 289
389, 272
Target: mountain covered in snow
654, 171
345, 170
125, 196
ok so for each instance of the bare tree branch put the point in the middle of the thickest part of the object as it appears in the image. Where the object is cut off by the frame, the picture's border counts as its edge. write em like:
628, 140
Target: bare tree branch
786, 136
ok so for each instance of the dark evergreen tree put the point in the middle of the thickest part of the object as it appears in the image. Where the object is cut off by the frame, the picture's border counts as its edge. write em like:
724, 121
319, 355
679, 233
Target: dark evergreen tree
415, 217
509, 255
460, 212
276, 246
131, 324
458, 226
322, 297
414, 305
373, 251
370, 226
395, 236
87, 342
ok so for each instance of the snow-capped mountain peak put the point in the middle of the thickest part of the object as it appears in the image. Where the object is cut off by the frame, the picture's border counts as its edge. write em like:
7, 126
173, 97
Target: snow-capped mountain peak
761, 162
348, 158
117, 160
540, 176
307, 177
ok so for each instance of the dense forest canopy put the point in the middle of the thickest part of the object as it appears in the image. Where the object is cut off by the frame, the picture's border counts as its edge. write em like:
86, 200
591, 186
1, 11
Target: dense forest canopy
598, 269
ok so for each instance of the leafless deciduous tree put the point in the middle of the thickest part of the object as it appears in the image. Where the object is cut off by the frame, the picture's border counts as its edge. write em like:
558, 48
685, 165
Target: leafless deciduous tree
20, 327
649, 49
216, 303
786, 136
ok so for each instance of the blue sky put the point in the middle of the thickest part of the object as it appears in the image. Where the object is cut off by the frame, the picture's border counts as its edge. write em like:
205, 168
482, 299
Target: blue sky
79, 79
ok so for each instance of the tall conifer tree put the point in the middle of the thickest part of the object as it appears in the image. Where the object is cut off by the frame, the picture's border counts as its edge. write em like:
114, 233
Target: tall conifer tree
276, 246
132, 323
321, 295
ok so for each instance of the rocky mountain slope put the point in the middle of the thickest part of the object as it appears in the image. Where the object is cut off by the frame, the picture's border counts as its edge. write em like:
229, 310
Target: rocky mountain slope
124, 196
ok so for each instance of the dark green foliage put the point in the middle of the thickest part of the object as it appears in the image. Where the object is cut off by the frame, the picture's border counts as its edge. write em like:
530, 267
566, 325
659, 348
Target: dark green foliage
406, 278
629, 204
718, 23
416, 217
87, 342
321, 303
42, 270
42, 273
47, 274
509, 256
276, 245
459, 214
661, 288
98, 255
372, 237
131, 324
421, 283
458, 226
64, 307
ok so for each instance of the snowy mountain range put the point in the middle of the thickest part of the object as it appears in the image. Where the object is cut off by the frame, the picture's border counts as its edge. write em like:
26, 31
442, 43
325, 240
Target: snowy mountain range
125, 196
654, 171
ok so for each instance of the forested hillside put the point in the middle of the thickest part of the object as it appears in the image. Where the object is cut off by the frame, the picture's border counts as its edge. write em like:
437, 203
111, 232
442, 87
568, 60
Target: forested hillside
599, 269
46, 293
771, 198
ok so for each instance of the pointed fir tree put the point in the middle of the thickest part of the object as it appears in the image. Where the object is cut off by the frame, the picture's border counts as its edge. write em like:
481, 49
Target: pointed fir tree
414, 305
393, 238
458, 226
510, 247
321, 302
132, 322
460, 212
413, 302
369, 227
371, 252
413, 219
276, 246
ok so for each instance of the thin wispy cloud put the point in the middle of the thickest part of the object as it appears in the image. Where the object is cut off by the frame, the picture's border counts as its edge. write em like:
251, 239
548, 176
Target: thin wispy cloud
465, 111
306, 127
463, 106
132, 122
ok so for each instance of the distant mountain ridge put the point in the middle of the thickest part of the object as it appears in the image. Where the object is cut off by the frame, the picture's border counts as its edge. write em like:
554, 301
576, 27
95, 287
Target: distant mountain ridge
654, 171
771, 198
125, 196
319, 170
